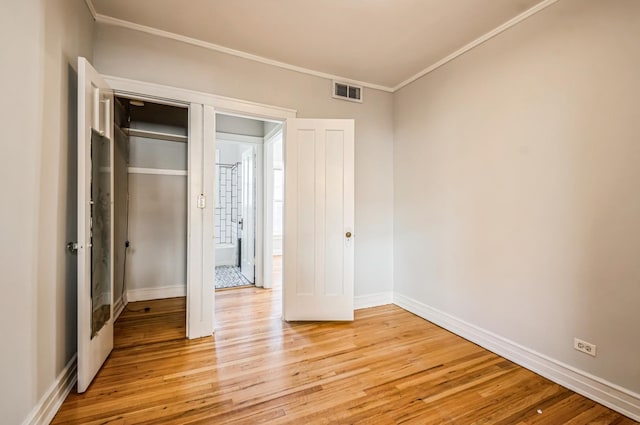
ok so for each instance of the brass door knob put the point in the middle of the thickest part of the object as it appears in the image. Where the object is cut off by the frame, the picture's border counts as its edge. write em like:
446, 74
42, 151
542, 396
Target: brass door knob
348, 234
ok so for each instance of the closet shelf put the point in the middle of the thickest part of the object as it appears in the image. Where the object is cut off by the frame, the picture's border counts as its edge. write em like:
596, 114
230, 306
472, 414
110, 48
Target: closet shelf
155, 135
156, 171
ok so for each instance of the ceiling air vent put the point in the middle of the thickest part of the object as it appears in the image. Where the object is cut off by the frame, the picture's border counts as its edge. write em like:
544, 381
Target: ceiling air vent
346, 91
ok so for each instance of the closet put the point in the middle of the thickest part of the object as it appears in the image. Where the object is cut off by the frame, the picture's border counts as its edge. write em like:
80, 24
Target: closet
150, 200
148, 205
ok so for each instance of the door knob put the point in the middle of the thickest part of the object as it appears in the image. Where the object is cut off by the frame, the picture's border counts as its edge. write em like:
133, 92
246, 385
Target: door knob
348, 234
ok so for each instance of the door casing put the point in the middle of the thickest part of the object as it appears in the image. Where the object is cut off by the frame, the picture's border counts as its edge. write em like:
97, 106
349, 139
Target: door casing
202, 145
268, 195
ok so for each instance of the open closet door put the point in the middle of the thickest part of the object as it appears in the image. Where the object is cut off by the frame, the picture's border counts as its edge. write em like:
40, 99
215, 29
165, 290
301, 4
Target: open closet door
319, 218
95, 223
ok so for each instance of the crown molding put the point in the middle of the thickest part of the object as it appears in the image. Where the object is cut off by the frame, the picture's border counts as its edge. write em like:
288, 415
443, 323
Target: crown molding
91, 8
478, 41
108, 20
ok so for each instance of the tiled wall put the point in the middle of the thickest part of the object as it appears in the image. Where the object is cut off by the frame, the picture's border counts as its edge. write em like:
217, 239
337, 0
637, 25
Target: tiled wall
229, 206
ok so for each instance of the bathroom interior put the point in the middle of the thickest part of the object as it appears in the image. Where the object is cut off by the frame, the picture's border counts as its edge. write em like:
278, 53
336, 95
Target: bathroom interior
240, 150
233, 200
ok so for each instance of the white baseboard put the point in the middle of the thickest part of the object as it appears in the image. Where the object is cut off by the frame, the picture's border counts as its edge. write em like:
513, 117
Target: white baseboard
144, 294
51, 401
597, 389
373, 300
118, 308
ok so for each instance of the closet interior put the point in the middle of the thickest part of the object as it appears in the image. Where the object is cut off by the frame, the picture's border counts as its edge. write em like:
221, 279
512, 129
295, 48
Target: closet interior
150, 200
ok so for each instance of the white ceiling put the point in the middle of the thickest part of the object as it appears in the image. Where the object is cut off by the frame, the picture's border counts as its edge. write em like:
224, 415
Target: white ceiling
380, 42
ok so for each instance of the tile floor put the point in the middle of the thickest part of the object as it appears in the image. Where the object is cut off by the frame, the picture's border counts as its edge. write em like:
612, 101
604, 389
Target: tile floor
230, 277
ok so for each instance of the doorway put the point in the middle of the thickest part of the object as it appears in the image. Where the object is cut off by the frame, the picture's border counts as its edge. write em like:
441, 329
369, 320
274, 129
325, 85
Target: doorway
235, 212
150, 201
243, 198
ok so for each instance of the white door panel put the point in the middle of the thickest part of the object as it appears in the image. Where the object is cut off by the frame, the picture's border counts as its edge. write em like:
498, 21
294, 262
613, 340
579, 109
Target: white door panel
319, 218
95, 223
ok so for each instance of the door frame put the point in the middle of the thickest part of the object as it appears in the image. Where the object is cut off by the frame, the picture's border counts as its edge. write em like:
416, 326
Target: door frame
201, 181
248, 233
269, 141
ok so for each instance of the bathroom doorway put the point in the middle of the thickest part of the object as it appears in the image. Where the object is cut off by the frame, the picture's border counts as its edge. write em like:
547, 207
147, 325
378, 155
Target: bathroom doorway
235, 214
244, 205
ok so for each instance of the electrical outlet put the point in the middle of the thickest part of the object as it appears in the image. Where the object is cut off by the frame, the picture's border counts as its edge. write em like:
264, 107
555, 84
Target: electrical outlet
584, 346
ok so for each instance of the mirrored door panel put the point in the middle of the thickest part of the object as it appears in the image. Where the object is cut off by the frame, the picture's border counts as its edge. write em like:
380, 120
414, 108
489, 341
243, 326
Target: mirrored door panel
100, 232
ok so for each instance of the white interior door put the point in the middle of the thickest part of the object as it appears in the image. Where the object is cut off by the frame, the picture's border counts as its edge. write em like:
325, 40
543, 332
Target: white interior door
248, 223
319, 219
95, 223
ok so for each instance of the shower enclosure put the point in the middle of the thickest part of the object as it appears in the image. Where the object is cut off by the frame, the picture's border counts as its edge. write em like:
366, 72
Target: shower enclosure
228, 213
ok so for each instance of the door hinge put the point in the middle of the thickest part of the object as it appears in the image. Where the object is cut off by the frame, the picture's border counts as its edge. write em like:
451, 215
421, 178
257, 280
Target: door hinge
72, 247
202, 201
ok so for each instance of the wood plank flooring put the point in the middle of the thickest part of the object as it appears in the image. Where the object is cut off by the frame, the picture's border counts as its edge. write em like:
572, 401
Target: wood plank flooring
386, 367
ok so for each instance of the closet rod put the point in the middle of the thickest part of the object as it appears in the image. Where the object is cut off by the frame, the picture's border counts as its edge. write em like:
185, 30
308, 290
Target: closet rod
155, 135
220, 164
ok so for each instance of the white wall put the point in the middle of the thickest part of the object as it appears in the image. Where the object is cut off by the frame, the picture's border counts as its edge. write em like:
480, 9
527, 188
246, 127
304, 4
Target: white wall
239, 125
157, 256
158, 154
40, 42
231, 152
516, 186
145, 57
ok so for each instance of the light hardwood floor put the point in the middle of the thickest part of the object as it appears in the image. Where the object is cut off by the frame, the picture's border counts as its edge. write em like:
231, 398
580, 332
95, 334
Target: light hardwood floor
386, 367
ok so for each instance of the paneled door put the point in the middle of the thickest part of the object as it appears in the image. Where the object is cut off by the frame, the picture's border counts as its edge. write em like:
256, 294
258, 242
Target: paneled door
95, 223
319, 220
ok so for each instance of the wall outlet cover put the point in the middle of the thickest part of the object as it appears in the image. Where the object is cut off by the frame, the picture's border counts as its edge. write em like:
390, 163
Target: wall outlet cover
584, 346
